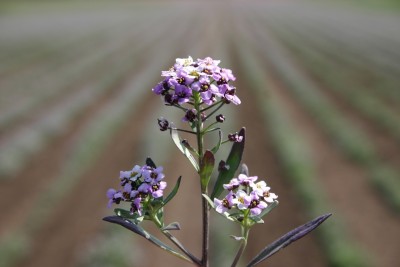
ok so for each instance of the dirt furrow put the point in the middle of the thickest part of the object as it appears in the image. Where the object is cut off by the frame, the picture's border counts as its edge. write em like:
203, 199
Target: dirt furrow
347, 186
79, 218
46, 164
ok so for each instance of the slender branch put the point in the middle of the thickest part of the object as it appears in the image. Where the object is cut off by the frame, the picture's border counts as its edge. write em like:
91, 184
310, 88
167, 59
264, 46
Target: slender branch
181, 247
213, 105
182, 130
245, 232
206, 230
215, 110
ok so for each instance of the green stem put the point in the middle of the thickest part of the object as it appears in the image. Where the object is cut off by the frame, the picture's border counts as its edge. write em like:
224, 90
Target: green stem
245, 233
203, 186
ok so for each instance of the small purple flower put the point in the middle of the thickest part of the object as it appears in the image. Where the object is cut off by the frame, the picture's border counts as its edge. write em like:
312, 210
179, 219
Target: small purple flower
152, 175
262, 190
114, 196
208, 61
247, 180
208, 97
256, 205
225, 204
242, 200
227, 92
163, 87
182, 93
157, 189
233, 184
136, 207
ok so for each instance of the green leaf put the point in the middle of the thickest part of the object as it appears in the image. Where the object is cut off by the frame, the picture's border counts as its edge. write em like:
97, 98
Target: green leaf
183, 149
140, 231
287, 239
206, 168
215, 149
173, 192
233, 161
150, 162
127, 215
172, 226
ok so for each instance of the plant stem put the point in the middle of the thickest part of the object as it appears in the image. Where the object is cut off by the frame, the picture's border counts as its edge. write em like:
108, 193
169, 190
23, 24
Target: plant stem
203, 186
245, 233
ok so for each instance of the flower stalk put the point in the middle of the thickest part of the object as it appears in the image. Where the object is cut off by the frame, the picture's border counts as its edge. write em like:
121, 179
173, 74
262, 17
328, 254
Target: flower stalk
199, 89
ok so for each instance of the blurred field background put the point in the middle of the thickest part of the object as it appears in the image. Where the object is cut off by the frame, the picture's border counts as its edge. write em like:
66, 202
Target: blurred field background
319, 83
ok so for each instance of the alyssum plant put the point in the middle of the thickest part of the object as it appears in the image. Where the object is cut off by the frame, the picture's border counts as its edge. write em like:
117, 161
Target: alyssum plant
200, 89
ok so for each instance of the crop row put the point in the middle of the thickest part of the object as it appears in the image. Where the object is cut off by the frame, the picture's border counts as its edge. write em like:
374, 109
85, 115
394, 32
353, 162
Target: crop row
367, 104
342, 131
50, 82
372, 76
83, 153
299, 167
34, 136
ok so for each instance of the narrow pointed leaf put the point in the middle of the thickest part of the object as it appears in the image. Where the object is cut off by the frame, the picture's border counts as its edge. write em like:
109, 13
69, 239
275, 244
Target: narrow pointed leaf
287, 239
183, 149
233, 162
218, 145
206, 168
172, 226
140, 231
173, 192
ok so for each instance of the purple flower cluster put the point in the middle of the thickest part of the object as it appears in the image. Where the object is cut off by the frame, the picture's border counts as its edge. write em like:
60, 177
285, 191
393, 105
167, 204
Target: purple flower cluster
203, 76
139, 185
244, 194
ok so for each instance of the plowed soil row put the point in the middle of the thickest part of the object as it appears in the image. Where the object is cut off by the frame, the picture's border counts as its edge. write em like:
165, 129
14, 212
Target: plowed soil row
346, 184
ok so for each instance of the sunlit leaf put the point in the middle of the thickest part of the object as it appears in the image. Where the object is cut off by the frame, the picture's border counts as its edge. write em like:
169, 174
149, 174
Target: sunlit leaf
183, 149
172, 226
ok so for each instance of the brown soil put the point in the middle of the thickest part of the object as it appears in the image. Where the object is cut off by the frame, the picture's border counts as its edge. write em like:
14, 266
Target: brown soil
347, 187
76, 219
262, 161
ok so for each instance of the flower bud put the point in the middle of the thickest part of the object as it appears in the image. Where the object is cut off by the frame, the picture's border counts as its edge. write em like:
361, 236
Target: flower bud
235, 137
220, 118
190, 115
163, 123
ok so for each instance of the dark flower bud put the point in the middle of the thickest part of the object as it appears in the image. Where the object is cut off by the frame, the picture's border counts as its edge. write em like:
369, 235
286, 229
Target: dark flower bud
220, 118
222, 166
235, 138
163, 123
190, 115
168, 99
203, 116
